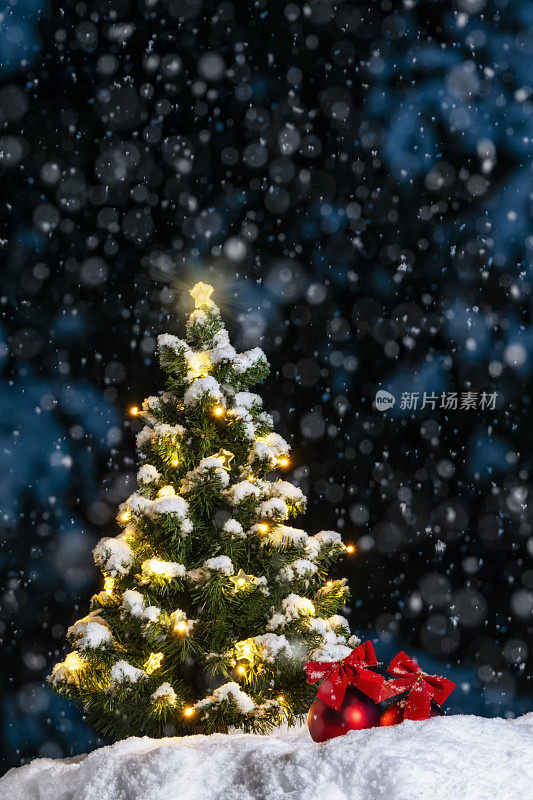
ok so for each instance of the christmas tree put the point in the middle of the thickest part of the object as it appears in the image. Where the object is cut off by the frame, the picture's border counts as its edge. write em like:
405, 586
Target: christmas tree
211, 603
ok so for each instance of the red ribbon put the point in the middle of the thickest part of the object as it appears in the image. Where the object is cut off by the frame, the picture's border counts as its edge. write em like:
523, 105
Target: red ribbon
339, 674
422, 688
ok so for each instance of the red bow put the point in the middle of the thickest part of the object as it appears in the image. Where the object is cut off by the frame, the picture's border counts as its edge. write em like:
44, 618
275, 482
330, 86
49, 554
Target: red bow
422, 688
339, 674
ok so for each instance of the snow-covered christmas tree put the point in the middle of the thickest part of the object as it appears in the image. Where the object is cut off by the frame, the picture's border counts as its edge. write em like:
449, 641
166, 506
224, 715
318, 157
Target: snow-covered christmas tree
211, 603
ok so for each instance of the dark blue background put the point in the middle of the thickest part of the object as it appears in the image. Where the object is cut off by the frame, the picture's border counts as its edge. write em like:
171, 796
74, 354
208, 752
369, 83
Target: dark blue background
355, 181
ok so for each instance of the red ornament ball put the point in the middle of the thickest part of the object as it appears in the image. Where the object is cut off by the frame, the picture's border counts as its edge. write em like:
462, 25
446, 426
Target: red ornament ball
356, 712
394, 712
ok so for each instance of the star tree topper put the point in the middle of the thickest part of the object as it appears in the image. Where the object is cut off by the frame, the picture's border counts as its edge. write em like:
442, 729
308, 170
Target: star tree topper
201, 294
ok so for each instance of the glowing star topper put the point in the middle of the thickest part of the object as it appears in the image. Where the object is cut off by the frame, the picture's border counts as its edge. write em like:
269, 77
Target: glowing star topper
241, 580
225, 457
201, 294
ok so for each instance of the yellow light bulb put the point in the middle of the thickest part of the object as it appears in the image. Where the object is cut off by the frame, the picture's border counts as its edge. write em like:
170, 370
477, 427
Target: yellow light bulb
175, 462
153, 662
350, 548
251, 477
166, 491
329, 583
181, 626
218, 411
134, 410
109, 585
154, 566
199, 364
263, 527
281, 699
125, 516
128, 534
74, 661
241, 670
188, 712
283, 462
201, 294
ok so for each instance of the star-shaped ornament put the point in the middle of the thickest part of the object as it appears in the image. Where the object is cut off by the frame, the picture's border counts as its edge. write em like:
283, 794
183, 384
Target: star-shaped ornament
246, 651
201, 294
225, 457
242, 581
154, 662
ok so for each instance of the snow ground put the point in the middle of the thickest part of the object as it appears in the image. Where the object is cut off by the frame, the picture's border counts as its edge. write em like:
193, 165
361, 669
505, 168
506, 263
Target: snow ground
445, 758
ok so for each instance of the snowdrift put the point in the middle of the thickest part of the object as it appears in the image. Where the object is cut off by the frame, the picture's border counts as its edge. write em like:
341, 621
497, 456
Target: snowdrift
446, 758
